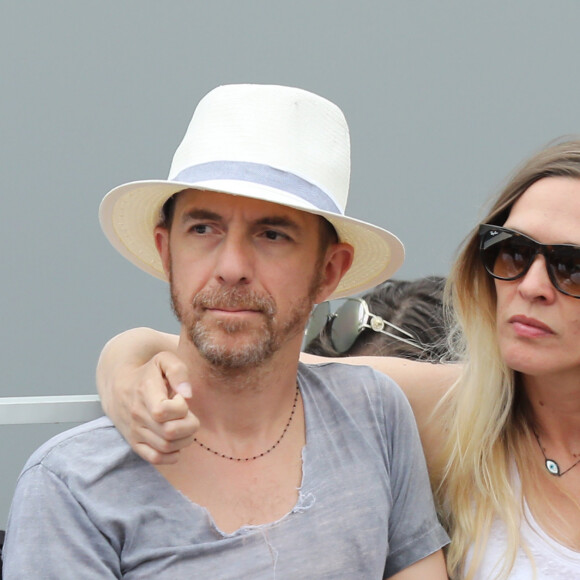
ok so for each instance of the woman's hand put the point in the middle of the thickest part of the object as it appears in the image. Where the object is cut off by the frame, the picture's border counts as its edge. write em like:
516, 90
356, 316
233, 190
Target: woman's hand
145, 393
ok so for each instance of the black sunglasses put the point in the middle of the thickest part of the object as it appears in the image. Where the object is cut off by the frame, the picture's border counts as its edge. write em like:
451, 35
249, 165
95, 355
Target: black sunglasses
508, 255
347, 323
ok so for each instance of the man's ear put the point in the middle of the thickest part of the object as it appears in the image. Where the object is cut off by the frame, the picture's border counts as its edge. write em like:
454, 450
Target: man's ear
337, 261
162, 244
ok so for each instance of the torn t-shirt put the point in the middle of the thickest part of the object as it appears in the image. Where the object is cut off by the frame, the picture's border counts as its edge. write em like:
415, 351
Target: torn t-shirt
86, 506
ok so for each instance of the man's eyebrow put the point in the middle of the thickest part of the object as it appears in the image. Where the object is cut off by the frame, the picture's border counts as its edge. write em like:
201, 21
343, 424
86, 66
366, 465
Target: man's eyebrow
200, 214
274, 221
278, 221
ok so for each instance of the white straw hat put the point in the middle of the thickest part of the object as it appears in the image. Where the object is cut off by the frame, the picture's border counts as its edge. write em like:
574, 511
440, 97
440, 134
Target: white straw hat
278, 144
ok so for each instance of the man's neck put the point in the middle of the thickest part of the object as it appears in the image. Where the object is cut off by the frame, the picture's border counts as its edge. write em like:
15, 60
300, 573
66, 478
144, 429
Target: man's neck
235, 399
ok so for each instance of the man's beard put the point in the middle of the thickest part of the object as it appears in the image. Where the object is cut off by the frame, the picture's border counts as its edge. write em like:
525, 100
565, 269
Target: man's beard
250, 344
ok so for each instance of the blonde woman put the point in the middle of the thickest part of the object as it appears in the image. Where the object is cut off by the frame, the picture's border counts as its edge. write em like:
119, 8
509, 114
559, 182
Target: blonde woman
503, 444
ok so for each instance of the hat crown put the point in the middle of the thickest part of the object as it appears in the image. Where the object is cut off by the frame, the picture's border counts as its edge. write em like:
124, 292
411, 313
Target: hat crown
284, 128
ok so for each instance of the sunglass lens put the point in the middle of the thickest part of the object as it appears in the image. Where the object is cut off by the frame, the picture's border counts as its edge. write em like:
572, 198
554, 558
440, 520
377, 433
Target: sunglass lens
318, 319
512, 259
505, 256
565, 266
346, 325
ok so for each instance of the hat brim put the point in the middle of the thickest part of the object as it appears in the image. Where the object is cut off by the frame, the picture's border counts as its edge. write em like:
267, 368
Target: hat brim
129, 213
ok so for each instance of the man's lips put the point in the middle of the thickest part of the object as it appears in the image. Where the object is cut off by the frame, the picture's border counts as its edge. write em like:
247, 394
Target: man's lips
234, 312
232, 309
529, 327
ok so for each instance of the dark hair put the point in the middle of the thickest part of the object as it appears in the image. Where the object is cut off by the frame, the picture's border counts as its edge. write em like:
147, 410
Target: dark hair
167, 212
415, 306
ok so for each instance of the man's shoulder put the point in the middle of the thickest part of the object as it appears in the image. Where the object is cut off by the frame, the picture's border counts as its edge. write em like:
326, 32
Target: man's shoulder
349, 382
355, 399
346, 374
92, 441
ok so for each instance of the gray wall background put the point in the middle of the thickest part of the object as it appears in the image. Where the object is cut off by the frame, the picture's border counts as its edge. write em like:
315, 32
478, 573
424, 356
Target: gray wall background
443, 100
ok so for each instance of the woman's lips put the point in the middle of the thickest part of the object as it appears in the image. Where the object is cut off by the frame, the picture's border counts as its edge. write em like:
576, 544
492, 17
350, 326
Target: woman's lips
529, 327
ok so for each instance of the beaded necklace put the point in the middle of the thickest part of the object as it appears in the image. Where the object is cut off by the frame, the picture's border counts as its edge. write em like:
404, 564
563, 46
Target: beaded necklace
224, 456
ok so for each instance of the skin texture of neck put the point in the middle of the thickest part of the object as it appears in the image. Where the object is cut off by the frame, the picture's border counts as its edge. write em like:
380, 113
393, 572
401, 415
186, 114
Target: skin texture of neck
245, 402
555, 403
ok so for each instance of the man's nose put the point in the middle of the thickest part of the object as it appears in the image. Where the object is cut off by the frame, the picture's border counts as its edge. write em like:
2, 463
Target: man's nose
235, 260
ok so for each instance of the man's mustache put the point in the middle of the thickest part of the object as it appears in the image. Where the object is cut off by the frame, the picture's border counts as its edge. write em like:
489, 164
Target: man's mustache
235, 299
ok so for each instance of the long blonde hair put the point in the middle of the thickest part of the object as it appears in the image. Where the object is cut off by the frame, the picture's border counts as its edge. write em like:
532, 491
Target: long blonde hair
485, 414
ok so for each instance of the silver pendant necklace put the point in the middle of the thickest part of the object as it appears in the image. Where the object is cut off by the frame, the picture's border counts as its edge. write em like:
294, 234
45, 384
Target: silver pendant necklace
551, 465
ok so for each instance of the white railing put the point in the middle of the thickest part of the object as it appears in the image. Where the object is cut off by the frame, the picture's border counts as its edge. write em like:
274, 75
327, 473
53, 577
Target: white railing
51, 409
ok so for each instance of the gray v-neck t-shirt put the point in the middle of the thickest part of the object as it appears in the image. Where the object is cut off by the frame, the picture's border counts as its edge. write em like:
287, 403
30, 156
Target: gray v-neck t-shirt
86, 506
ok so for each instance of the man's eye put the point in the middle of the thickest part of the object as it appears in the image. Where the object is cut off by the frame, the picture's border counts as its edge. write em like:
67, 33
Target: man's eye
200, 229
274, 235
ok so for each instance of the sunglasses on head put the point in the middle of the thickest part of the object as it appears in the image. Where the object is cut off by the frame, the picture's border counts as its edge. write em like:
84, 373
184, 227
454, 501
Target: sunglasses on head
508, 255
346, 324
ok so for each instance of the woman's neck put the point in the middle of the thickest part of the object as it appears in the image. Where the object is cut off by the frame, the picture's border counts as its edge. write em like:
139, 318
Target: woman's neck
555, 408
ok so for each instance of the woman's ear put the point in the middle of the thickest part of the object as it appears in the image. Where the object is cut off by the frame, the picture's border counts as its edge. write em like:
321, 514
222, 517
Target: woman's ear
337, 261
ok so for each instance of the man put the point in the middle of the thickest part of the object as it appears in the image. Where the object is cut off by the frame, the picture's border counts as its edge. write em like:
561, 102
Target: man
296, 472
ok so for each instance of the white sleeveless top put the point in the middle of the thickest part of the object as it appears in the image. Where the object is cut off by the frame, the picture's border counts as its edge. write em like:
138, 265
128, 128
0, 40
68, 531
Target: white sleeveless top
552, 560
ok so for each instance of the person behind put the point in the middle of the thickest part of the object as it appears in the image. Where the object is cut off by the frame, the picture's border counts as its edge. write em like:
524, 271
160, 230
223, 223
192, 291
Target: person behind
402, 318
292, 474
504, 445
